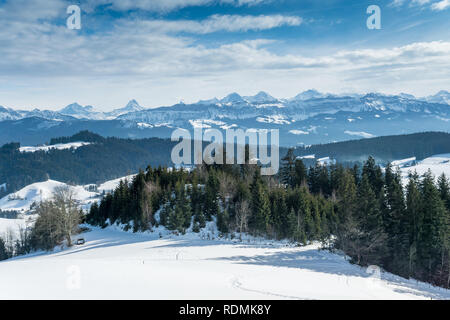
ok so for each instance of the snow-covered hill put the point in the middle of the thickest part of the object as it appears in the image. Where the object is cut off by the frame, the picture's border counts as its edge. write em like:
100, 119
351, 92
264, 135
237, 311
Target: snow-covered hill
438, 165
118, 265
22, 200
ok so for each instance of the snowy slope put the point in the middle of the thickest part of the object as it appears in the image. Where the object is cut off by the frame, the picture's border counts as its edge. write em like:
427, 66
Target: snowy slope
118, 265
13, 226
23, 199
438, 164
109, 186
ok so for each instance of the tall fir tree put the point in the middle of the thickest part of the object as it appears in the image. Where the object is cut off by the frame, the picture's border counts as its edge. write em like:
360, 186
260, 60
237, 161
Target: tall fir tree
287, 171
395, 222
414, 215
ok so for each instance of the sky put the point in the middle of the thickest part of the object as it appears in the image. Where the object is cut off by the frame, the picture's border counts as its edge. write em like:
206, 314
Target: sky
161, 52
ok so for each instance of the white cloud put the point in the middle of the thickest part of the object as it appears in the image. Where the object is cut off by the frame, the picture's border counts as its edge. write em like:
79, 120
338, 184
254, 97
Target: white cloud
410, 2
31, 10
164, 5
230, 23
441, 5
43, 63
435, 5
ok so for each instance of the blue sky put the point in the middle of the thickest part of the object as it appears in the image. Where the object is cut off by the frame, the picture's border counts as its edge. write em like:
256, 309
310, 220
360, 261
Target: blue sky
163, 51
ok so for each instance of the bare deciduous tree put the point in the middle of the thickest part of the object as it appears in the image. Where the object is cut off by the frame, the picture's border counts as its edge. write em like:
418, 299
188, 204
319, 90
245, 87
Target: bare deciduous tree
242, 214
58, 220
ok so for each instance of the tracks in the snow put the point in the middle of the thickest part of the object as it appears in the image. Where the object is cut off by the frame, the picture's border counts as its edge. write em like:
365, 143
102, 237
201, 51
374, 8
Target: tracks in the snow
235, 283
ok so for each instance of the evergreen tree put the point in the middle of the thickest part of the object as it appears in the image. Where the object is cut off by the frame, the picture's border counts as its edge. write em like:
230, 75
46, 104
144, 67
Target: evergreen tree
279, 213
375, 176
395, 222
288, 168
211, 195
260, 210
430, 243
347, 206
4, 254
292, 224
414, 216
444, 190
301, 173
369, 239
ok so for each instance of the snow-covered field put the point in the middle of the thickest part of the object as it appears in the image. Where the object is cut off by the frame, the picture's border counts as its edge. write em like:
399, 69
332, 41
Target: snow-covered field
438, 165
118, 265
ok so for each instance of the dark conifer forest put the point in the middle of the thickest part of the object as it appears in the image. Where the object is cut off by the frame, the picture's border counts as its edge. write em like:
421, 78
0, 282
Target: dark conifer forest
104, 159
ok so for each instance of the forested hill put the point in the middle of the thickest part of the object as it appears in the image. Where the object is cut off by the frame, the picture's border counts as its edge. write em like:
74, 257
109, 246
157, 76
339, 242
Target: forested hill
102, 160
110, 158
383, 149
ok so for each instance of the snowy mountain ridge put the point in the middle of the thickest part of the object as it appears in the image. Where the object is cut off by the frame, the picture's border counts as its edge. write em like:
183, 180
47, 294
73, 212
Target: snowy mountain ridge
305, 101
324, 117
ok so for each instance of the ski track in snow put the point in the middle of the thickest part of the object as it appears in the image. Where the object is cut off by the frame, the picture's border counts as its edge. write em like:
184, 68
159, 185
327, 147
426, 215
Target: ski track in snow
236, 283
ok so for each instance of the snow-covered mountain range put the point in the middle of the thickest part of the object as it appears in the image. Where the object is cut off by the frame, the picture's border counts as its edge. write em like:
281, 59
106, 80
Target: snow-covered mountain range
309, 117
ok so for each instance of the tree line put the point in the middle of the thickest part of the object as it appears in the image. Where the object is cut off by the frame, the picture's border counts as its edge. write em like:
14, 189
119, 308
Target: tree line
385, 148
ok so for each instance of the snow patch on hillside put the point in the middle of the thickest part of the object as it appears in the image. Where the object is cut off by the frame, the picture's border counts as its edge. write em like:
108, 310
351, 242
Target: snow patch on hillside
404, 162
298, 132
438, 164
110, 186
59, 146
275, 119
359, 134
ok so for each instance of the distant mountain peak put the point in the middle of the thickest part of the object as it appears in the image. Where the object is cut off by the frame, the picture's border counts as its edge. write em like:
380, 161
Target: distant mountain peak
442, 96
209, 101
308, 95
133, 105
406, 95
232, 98
261, 97
76, 108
